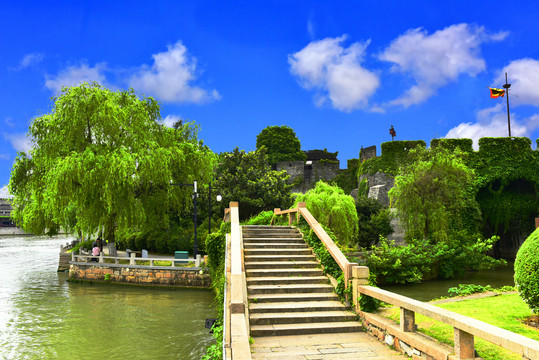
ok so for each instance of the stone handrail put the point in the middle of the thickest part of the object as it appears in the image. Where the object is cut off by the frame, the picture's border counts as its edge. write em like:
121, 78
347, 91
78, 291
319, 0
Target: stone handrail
465, 328
236, 327
132, 259
341, 260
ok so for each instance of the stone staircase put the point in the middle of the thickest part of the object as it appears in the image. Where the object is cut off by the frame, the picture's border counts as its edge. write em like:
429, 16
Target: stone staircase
287, 291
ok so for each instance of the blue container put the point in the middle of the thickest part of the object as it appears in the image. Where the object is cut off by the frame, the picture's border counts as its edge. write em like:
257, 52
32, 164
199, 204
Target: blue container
181, 255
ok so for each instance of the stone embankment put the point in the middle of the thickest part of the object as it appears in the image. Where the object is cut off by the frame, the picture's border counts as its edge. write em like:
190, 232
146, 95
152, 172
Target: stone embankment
140, 275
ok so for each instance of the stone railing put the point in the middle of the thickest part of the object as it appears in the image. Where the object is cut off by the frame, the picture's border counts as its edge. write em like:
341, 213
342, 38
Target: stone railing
404, 336
351, 270
133, 260
236, 317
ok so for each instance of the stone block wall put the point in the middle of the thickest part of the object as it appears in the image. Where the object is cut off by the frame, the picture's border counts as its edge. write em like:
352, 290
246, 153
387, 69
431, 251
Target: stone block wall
141, 275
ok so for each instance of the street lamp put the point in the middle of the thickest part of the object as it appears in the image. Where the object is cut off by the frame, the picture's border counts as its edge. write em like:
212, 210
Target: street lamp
194, 196
218, 198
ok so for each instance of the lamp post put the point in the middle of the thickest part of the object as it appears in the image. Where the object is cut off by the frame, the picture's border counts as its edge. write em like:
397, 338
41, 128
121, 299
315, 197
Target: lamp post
194, 196
218, 198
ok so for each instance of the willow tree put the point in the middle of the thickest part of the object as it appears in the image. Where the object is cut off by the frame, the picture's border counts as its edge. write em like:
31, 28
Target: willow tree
102, 162
334, 209
434, 195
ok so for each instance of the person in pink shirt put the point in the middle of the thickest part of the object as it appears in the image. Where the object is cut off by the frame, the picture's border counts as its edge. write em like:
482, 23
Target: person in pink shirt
95, 252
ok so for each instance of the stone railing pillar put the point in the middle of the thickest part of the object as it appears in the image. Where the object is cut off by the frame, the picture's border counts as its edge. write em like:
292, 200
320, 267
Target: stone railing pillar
101, 257
464, 345
407, 320
132, 259
360, 276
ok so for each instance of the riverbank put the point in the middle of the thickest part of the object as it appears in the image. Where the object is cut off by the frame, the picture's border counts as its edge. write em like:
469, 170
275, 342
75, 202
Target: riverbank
194, 277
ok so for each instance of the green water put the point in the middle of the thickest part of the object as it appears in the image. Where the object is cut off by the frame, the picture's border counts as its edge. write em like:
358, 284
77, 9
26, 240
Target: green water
433, 289
42, 316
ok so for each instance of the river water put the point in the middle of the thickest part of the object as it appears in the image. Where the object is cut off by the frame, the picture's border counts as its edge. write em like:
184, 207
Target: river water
42, 316
433, 289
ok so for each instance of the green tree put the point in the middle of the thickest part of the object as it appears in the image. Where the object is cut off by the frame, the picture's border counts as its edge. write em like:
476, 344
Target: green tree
248, 179
101, 161
434, 195
281, 143
374, 221
333, 208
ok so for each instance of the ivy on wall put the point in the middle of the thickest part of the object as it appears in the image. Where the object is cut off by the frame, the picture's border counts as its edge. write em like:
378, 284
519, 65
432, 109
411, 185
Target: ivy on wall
394, 154
465, 145
506, 171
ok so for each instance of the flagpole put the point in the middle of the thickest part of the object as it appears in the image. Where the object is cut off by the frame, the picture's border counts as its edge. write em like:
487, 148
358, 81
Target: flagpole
506, 87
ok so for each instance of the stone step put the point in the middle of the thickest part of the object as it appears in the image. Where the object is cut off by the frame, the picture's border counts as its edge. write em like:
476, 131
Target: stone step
271, 235
301, 329
290, 289
283, 272
276, 245
283, 240
287, 280
260, 258
269, 251
298, 297
281, 265
301, 317
308, 306
274, 227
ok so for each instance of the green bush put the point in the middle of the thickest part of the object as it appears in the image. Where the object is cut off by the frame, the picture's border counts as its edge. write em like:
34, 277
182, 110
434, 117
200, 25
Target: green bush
332, 208
419, 260
263, 218
82, 245
527, 271
468, 289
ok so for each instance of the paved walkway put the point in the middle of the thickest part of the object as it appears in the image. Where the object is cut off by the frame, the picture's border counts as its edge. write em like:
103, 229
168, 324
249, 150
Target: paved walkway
358, 345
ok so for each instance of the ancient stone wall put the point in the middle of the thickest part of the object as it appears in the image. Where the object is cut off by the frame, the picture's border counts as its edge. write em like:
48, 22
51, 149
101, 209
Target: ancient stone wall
141, 275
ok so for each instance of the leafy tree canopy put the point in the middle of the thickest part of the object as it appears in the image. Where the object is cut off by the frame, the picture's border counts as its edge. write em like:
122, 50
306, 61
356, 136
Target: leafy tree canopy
248, 179
434, 195
281, 143
101, 161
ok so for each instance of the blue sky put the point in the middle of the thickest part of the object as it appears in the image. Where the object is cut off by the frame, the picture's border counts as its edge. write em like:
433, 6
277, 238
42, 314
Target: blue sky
338, 73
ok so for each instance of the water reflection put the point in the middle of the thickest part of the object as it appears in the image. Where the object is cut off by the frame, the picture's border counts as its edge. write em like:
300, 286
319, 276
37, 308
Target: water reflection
429, 290
44, 316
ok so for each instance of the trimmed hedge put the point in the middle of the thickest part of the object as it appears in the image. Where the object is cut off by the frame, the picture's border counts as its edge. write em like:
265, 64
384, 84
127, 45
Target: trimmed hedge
464, 145
527, 271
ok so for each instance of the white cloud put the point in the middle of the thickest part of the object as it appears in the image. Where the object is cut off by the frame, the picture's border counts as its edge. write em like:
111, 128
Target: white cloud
437, 59
74, 75
28, 60
170, 78
523, 74
335, 72
20, 142
170, 120
492, 122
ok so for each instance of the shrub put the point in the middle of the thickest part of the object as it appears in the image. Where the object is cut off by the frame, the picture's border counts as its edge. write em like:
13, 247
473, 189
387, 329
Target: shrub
527, 271
263, 218
332, 208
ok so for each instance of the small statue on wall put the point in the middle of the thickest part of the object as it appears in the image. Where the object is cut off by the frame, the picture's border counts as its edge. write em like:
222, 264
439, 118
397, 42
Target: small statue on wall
392, 132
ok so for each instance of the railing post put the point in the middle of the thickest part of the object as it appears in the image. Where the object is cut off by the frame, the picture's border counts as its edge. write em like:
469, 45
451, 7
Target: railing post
360, 276
407, 320
464, 345
298, 214
101, 257
198, 260
73, 256
132, 259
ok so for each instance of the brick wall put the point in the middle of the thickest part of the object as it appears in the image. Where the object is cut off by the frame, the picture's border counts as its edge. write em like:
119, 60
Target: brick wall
141, 275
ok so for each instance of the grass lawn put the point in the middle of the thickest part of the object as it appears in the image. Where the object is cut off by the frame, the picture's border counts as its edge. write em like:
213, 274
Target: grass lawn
504, 311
